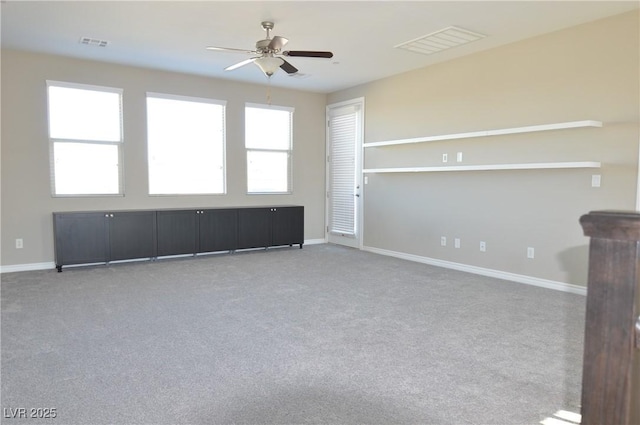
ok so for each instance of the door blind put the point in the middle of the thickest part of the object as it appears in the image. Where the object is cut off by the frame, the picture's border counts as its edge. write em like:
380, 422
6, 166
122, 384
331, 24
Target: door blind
342, 160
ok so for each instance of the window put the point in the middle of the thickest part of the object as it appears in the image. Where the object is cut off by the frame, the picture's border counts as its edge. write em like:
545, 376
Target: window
85, 138
186, 145
268, 143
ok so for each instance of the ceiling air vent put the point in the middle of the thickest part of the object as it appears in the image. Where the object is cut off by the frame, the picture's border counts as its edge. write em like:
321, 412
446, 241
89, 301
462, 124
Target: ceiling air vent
440, 40
93, 42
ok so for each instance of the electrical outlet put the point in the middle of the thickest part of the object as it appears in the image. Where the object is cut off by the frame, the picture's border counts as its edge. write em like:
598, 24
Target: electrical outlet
19, 243
459, 157
483, 246
445, 157
443, 241
456, 242
531, 253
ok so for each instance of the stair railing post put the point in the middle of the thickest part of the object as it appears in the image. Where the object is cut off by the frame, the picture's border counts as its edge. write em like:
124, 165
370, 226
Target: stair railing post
611, 335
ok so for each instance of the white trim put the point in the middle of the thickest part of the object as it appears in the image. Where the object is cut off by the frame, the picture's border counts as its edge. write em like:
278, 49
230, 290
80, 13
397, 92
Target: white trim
290, 109
52, 266
358, 104
27, 267
52, 141
528, 280
217, 111
487, 167
289, 150
184, 98
484, 133
638, 179
82, 86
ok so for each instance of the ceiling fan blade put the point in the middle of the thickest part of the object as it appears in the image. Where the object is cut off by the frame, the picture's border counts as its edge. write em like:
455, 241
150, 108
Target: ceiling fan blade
277, 43
239, 64
229, 49
288, 68
308, 54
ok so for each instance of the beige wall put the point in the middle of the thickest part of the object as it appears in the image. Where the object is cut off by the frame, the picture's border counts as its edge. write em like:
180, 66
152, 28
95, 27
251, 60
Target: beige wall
589, 72
27, 203
586, 72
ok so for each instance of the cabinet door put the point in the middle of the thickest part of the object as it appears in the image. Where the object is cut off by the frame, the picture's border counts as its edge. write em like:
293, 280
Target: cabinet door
132, 235
254, 227
176, 232
287, 226
218, 230
80, 238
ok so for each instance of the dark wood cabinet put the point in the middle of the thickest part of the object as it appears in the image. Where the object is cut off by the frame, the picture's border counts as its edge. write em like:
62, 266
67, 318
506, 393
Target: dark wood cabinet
80, 238
287, 226
254, 227
217, 230
132, 234
100, 237
272, 226
195, 231
177, 232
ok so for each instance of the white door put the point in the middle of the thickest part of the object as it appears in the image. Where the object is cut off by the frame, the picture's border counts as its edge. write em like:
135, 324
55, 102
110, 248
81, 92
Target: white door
344, 172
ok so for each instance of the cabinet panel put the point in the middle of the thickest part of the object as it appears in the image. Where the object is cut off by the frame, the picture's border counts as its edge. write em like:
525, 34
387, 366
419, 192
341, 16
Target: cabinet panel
218, 230
132, 235
176, 232
287, 226
254, 227
80, 238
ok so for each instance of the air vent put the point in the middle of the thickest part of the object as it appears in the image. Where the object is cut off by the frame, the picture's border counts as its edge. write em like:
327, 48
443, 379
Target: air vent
93, 42
440, 40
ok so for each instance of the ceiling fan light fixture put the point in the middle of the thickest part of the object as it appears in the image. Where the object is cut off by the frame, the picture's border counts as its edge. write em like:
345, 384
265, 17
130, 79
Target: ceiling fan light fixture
269, 64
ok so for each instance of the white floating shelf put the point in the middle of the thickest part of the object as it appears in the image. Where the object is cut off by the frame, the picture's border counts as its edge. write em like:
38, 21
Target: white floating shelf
491, 167
484, 133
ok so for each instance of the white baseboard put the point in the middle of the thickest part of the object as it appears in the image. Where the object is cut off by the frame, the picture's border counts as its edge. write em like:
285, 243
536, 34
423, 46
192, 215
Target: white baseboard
314, 241
529, 280
51, 265
519, 278
27, 267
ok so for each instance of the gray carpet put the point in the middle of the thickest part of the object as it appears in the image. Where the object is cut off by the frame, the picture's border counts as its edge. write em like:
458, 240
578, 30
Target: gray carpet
325, 334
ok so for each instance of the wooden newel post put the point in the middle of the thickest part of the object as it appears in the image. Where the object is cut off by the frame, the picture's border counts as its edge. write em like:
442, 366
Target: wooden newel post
612, 334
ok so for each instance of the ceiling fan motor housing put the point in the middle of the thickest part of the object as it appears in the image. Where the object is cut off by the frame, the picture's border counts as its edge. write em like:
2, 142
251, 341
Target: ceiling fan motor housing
262, 46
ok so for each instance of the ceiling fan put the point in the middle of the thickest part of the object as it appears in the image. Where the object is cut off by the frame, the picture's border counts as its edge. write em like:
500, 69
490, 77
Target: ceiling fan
269, 54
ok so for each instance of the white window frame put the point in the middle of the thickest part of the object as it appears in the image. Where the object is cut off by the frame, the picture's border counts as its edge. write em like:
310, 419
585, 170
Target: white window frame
53, 141
289, 150
194, 99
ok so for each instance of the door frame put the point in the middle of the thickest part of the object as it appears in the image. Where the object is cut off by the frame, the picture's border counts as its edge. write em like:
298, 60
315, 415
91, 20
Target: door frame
359, 204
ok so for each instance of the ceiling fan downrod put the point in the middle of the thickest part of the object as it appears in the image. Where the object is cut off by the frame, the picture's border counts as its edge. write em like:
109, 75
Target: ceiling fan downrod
267, 26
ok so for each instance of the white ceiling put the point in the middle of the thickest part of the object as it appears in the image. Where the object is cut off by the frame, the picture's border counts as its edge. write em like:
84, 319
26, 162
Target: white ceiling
172, 35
